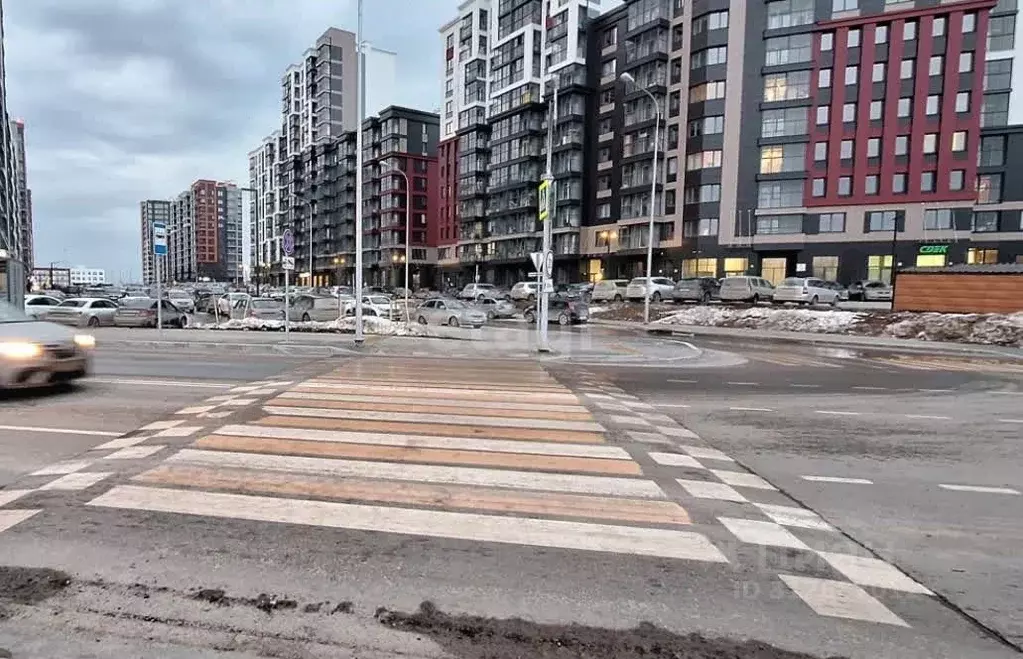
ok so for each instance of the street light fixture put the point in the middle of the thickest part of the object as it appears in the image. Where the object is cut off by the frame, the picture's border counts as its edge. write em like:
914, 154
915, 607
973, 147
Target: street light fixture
629, 80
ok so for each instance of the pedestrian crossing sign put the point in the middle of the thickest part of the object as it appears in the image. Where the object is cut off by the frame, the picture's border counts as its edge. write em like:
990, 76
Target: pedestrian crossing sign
543, 199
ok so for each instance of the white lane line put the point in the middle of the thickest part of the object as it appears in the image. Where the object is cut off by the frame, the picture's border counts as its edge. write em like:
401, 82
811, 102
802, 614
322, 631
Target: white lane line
464, 394
190, 384
861, 388
179, 431
769, 534
751, 409
837, 479
675, 460
835, 413
806, 386
978, 488
865, 571
680, 405
9, 518
1007, 393
1011, 420
706, 453
839, 599
684, 381
520, 480
928, 416
7, 496
197, 409
121, 442
135, 452
79, 481
63, 431
684, 545
682, 433
446, 419
708, 490
433, 402
162, 425
794, 516
742, 479
937, 391
743, 384
427, 441
60, 468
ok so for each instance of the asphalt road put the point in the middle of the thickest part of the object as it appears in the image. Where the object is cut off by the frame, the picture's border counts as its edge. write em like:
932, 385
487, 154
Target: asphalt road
933, 445
258, 504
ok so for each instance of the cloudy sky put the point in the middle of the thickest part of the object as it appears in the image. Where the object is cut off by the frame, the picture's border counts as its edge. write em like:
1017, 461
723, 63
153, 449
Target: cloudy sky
126, 100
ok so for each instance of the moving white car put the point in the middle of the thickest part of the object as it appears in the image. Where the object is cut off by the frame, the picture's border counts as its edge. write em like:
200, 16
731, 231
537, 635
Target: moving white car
661, 288
35, 353
805, 290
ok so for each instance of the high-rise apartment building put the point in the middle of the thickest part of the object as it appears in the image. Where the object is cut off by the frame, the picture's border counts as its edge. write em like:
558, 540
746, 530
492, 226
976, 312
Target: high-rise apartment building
10, 212
150, 211
24, 195
205, 234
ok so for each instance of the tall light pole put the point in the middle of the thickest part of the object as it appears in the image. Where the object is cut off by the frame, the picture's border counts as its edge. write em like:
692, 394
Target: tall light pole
255, 222
408, 229
361, 86
629, 80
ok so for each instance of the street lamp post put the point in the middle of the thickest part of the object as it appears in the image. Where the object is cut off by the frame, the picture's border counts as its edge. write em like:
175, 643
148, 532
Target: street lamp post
360, 76
629, 80
339, 264
408, 230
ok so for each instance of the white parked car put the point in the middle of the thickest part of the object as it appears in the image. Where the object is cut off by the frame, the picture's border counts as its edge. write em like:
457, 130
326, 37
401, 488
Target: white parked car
79, 311
476, 291
524, 290
661, 288
453, 313
746, 289
227, 302
37, 305
372, 305
805, 290
182, 300
609, 290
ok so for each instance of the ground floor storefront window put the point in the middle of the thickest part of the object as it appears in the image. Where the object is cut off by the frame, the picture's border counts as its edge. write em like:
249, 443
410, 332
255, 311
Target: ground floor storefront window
825, 267
700, 268
735, 266
979, 255
879, 268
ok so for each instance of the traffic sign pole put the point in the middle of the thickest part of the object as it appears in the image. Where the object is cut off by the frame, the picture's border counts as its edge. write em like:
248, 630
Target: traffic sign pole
159, 249
546, 212
288, 264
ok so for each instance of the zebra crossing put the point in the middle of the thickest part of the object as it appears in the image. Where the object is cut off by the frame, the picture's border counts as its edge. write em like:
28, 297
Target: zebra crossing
498, 452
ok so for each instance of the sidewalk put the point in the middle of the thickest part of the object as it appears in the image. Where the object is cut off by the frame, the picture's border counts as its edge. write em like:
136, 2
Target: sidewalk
834, 340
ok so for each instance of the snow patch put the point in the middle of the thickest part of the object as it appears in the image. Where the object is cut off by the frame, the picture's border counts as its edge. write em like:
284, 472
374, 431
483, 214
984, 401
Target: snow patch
788, 320
370, 325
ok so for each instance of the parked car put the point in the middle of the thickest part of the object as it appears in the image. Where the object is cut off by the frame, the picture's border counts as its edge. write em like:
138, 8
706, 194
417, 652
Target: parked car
35, 353
475, 291
141, 312
372, 305
454, 313
79, 311
227, 302
495, 308
870, 291
660, 288
805, 290
204, 302
524, 290
843, 292
263, 308
37, 305
743, 288
563, 310
182, 300
609, 290
318, 307
696, 289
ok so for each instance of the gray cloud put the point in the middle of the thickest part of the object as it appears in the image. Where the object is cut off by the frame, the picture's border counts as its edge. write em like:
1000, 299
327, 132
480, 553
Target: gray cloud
131, 99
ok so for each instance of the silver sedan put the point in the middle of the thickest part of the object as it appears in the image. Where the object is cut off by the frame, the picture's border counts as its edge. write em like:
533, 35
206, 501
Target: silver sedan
453, 313
79, 311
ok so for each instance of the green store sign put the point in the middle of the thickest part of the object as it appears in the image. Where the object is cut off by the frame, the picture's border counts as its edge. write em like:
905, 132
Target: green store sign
934, 249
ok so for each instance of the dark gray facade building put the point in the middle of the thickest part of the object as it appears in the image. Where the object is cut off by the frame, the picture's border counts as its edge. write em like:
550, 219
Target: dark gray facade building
24, 195
11, 220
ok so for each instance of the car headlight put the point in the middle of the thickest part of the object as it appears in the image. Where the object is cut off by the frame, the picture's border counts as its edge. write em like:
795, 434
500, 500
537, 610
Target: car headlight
85, 341
20, 350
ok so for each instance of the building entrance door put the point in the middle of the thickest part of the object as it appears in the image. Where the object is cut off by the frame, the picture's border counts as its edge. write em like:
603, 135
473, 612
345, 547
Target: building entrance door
773, 270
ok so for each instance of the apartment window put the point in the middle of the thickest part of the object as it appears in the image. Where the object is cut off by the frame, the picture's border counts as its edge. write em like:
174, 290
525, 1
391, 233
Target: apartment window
959, 141
610, 37
707, 226
846, 150
997, 74
877, 72
849, 113
879, 268
927, 181
827, 41
852, 74
874, 147
1001, 33
992, 151
881, 34
844, 186
790, 86
674, 104
965, 62
989, 188
881, 221
986, 221
708, 91
995, 110
831, 223
870, 184
853, 40
779, 123
957, 180
909, 31
844, 5
717, 20
788, 50
789, 13
609, 67
782, 158
876, 110
711, 125
779, 224
820, 151
818, 187
936, 65
969, 22
981, 256
703, 160
824, 78
904, 108
932, 105
938, 219
708, 57
703, 194
822, 115
780, 194
906, 68
963, 102
898, 183
938, 27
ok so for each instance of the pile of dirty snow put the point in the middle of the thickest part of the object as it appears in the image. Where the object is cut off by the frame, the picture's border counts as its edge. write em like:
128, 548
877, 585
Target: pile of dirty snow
769, 318
989, 329
370, 325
